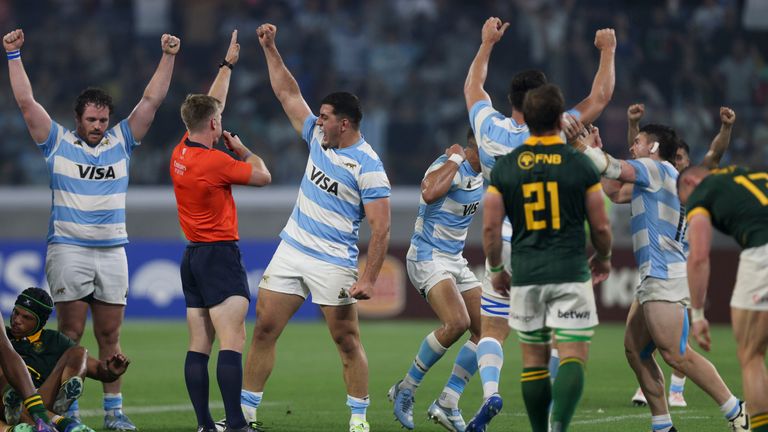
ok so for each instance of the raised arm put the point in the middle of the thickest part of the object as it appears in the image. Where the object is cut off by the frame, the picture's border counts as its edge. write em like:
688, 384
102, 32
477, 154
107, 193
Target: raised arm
378, 214
493, 30
37, 119
220, 86
699, 240
260, 175
283, 83
142, 115
722, 139
437, 183
600, 234
605, 78
635, 112
615, 169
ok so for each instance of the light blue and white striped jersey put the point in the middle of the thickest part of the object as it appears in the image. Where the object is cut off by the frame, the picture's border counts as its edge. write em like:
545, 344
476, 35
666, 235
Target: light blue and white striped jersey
658, 220
442, 226
88, 185
497, 135
336, 184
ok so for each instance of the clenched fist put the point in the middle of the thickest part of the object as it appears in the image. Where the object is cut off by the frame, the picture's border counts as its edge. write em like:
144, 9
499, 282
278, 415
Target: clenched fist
494, 29
13, 40
266, 34
605, 39
170, 44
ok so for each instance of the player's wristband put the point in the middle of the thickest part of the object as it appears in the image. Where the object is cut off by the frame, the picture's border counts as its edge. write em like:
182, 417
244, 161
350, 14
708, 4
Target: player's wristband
456, 158
601, 257
499, 268
697, 314
13, 55
227, 64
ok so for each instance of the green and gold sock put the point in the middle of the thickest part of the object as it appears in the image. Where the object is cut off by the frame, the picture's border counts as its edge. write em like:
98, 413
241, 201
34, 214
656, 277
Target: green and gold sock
760, 422
566, 392
537, 394
36, 408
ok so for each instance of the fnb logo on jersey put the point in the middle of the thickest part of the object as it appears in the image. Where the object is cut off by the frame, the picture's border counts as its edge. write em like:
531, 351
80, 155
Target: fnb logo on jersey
324, 182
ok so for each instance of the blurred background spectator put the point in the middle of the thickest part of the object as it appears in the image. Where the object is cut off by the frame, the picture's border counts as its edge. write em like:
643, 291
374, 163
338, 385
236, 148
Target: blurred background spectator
406, 59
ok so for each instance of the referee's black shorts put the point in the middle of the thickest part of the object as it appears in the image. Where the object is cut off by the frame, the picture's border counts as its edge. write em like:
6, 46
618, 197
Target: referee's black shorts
211, 273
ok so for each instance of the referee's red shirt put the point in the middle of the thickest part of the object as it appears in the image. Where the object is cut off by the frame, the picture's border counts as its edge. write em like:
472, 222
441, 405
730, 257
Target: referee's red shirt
202, 181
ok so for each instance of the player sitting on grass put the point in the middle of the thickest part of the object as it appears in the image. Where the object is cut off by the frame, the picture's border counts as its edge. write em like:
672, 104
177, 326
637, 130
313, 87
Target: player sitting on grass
55, 363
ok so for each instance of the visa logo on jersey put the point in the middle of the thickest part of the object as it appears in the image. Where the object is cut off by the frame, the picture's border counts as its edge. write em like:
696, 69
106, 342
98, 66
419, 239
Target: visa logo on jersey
324, 182
470, 209
91, 172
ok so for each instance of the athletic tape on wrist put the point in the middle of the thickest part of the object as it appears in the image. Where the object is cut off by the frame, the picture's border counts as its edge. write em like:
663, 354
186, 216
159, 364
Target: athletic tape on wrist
697, 314
456, 158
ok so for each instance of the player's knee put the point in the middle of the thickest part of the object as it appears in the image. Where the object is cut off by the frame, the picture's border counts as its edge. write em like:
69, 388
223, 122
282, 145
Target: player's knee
457, 325
348, 342
76, 355
107, 337
265, 331
674, 358
751, 352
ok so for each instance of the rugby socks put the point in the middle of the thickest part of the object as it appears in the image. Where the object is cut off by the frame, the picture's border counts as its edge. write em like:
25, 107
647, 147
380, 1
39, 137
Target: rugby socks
730, 408
249, 402
63, 423
566, 392
196, 378
113, 402
537, 395
554, 364
760, 422
358, 407
429, 353
229, 373
34, 405
677, 384
463, 368
661, 423
490, 358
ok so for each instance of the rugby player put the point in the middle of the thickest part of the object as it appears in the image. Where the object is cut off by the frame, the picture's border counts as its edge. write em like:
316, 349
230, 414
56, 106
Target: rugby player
548, 190
85, 263
450, 195
344, 181
496, 136
735, 201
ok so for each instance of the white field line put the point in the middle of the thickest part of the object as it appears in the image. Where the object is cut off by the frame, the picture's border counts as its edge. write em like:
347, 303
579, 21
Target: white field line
153, 409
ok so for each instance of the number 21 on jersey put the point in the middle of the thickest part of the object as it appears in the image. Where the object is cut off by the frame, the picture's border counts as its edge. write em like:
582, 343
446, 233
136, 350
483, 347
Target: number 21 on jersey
535, 201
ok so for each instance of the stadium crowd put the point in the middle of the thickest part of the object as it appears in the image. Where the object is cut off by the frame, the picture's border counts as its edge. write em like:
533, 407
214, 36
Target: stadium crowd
406, 59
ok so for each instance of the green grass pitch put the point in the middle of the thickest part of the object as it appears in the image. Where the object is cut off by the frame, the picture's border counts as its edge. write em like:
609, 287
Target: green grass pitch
306, 392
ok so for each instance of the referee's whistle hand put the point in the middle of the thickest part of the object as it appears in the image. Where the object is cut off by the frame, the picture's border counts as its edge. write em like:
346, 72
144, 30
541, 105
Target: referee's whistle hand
232, 141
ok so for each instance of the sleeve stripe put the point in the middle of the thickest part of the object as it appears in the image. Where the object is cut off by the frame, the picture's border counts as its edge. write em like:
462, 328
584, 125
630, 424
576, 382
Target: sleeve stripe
595, 187
697, 210
492, 189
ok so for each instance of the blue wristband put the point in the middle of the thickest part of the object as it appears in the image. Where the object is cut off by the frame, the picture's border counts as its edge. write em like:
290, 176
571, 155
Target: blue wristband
12, 55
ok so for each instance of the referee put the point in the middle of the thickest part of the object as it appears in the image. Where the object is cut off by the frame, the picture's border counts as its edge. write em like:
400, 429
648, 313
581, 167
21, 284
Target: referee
213, 278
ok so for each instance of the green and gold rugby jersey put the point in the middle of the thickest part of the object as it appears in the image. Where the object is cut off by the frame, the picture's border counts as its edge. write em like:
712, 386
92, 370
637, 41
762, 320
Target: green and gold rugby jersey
41, 351
736, 201
544, 184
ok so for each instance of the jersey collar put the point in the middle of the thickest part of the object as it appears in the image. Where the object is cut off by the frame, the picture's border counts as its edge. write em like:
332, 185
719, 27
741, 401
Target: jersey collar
189, 143
544, 140
34, 337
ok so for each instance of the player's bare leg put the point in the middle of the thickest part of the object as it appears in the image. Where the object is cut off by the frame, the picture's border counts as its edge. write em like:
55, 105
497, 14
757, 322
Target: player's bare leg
273, 310
71, 317
343, 324
107, 320
639, 349
60, 381
750, 328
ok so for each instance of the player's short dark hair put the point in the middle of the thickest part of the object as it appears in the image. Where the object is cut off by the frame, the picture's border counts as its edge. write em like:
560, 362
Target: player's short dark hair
345, 105
684, 145
666, 137
197, 110
471, 141
542, 108
96, 96
521, 83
